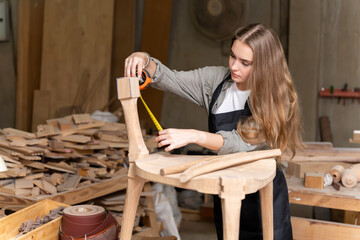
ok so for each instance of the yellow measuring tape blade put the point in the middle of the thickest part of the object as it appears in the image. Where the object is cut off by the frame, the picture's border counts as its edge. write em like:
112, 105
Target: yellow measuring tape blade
157, 124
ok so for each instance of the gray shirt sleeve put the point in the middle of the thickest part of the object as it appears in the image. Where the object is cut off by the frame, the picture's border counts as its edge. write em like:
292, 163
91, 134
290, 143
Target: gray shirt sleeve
196, 86
234, 143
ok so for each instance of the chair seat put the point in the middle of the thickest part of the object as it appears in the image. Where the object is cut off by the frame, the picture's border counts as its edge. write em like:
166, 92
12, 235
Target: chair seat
254, 175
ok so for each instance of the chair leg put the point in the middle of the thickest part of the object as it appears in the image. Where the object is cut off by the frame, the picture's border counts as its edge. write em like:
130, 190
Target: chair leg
134, 188
231, 196
267, 211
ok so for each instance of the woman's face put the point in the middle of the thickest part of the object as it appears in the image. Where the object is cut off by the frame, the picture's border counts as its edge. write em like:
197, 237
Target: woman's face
240, 63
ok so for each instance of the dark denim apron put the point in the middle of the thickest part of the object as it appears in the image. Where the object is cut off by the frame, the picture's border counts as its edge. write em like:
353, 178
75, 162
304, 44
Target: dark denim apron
250, 217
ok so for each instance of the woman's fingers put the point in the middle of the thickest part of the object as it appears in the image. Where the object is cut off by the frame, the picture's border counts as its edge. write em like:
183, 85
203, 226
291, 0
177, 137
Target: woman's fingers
134, 64
171, 138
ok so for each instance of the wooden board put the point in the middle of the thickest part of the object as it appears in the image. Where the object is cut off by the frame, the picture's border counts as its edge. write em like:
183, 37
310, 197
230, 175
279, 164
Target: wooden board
10, 224
30, 28
7, 81
76, 54
41, 108
298, 169
309, 229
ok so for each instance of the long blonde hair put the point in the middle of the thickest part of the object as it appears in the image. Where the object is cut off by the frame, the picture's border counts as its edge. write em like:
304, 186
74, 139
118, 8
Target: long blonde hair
274, 103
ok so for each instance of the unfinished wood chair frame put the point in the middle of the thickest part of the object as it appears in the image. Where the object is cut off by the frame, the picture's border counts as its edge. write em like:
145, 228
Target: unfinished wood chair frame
231, 184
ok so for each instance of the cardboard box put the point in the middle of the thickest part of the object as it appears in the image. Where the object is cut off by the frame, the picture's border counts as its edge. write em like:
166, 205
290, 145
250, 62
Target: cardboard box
50, 231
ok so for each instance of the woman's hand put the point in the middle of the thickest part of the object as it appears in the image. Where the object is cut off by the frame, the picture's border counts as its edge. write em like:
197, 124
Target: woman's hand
175, 138
134, 64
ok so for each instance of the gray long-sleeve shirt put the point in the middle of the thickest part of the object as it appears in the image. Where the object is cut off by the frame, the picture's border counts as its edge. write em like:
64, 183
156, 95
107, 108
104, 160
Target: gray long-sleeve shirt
198, 87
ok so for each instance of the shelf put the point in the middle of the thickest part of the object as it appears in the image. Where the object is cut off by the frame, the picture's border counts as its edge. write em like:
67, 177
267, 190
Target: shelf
325, 92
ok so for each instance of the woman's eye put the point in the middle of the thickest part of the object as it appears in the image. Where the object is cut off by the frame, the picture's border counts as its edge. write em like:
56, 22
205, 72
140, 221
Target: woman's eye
245, 64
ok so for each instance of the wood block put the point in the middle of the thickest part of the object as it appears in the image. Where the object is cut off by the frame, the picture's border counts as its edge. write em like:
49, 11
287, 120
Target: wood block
45, 130
128, 87
23, 191
23, 183
314, 180
82, 118
70, 183
65, 123
56, 144
35, 176
45, 186
7, 190
35, 192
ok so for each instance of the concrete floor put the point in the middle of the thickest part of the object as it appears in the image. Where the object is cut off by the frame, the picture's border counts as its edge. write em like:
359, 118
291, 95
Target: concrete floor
197, 230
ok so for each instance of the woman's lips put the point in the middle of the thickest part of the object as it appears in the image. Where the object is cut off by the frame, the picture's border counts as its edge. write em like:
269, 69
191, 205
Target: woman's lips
234, 75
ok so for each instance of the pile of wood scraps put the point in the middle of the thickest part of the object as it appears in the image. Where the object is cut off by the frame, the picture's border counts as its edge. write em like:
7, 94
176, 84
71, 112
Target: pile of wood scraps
319, 159
64, 154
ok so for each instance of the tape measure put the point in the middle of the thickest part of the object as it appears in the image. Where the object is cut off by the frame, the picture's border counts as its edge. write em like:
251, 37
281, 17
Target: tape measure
144, 80
153, 118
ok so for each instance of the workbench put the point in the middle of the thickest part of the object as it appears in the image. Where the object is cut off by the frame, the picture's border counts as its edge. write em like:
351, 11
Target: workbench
346, 199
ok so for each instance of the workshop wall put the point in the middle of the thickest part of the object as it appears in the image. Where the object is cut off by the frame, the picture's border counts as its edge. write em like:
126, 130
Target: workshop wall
7, 66
190, 49
324, 48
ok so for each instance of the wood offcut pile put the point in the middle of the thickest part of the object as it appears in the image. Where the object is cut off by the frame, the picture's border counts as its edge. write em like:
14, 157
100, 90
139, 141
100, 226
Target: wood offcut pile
319, 159
62, 155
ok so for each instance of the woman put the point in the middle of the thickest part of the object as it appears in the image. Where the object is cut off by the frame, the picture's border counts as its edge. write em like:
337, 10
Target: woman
252, 105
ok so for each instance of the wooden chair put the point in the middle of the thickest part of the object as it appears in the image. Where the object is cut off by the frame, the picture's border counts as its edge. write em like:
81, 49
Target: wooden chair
231, 184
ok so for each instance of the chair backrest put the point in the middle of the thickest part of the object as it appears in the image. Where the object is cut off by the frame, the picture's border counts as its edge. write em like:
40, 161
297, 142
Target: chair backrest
128, 93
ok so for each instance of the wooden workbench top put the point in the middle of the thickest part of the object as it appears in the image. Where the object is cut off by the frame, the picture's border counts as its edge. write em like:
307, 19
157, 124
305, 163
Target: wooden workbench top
345, 199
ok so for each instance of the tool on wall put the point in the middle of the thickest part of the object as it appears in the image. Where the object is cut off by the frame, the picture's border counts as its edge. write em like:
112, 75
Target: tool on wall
144, 82
344, 93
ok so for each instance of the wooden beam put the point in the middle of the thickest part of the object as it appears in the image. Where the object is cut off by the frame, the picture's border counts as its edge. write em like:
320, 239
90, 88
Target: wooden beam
308, 229
30, 29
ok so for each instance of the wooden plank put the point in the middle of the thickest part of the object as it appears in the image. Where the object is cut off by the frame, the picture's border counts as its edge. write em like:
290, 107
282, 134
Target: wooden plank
23, 183
45, 186
7, 71
17, 132
318, 145
70, 183
298, 169
30, 28
92, 191
74, 138
41, 108
309, 229
77, 53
